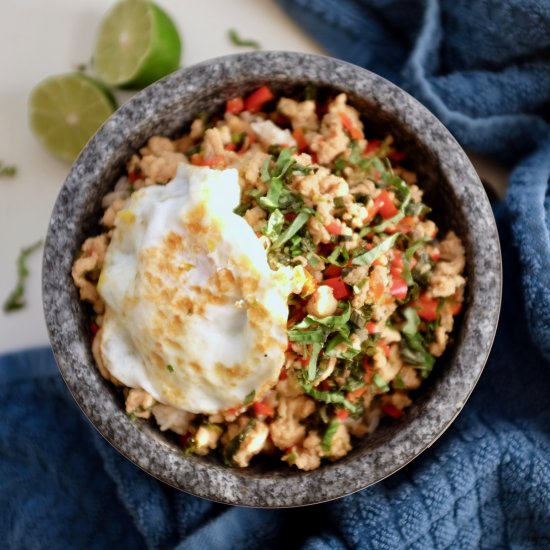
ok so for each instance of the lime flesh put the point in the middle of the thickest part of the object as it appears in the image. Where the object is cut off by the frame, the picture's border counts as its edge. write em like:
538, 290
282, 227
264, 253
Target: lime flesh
137, 44
65, 112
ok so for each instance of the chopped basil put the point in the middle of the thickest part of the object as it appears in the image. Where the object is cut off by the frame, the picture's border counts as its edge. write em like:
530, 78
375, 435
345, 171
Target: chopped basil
237, 139
16, 299
234, 445
7, 171
274, 224
242, 208
398, 383
313, 259
328, 397
336, 253
374, 253
264, 171
236, 40
293, 228
310, 92
312, 365
410, 328
380, 383
169, 368
250, 397
329, 435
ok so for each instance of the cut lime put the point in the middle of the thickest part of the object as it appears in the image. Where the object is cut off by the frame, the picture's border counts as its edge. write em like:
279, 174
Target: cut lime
66, 111
137, 44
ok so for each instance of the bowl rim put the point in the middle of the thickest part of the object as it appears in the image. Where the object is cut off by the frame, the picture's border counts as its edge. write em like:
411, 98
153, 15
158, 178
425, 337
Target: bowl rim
331, 481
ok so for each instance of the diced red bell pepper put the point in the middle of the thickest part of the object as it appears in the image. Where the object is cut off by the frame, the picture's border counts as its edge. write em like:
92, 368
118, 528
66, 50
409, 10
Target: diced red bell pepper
334, 228
372, 146
342, 414
263, 409
456, 308
399, 288
353, 131
235, 105
385, 348
393, 411
230, 147
133, 176
256, 100
384, 205
354, 395
396, 156
371, 327
332, 271
426, 307
298, 135
94, 328
283, 375
217, 161
339, 289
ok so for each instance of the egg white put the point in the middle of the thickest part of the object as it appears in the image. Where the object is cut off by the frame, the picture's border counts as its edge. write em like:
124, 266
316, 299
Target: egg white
194, 315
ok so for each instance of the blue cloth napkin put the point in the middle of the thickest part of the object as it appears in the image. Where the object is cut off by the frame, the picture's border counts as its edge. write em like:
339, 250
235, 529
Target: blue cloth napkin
483, 67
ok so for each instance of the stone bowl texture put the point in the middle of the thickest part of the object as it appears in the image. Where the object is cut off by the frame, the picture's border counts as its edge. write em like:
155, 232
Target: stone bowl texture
452, 189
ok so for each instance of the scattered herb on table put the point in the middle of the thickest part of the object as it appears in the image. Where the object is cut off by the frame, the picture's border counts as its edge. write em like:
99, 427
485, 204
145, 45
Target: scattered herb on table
7, 171
238, 41
16, 300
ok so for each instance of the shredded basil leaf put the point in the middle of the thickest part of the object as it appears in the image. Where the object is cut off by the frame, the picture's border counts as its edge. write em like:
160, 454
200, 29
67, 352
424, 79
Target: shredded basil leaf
374, 253
274, 225
328, 397
7, 171
249, 398
16, 299
380, 383
235, 444
238, 41
329, 435
312, 365
169, 368
293, 228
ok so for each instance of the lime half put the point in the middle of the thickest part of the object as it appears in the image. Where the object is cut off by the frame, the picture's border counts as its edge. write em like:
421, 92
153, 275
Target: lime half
66, 111
137, 44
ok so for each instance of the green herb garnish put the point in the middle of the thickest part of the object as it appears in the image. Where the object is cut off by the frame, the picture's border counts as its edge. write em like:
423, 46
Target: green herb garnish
235, 444
374, 253
7, 171
236, 40
16, 300
328, 397
329, 435
250, 397
169, 368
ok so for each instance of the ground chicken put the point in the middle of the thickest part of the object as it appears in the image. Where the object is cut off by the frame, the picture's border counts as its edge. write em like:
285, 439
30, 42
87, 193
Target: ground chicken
213, 144
446, 278
387, 367
332, 141
253, 442
139, 403
256, 218
170, 418
308, 456
301, 114
160, 169
340, 444
249, 167
86, 270
207, 438
286, 431
157, 146
441, 333
318, 231
322, 303
409, 377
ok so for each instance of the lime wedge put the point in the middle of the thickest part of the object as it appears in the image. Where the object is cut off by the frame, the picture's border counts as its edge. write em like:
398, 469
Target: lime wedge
65, 112
137, 44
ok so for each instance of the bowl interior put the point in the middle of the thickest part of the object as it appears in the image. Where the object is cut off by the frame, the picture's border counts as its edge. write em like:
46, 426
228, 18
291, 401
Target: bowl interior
452, 190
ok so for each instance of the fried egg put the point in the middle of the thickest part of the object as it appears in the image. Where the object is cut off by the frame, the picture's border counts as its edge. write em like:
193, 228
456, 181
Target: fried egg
194, 315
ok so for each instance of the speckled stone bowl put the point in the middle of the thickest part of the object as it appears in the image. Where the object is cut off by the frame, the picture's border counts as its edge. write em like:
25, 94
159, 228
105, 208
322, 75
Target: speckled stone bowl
452, 189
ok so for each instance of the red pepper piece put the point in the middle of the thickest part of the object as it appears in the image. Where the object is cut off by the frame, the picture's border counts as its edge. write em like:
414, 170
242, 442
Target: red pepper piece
384, 205
332, 271
298, 135
353, 131
342, 414
235, 105
372, 146
263, 409
334, 228
339, 288
393, 411
255, 101
426, 307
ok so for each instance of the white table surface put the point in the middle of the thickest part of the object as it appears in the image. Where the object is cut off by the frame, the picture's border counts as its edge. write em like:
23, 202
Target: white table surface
42, 38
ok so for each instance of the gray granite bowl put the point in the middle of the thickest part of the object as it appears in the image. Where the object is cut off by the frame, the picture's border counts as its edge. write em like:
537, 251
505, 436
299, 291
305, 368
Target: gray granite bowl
452, 188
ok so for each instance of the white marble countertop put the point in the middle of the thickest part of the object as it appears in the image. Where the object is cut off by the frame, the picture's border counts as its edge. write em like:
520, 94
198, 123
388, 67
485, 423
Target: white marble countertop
39, 39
